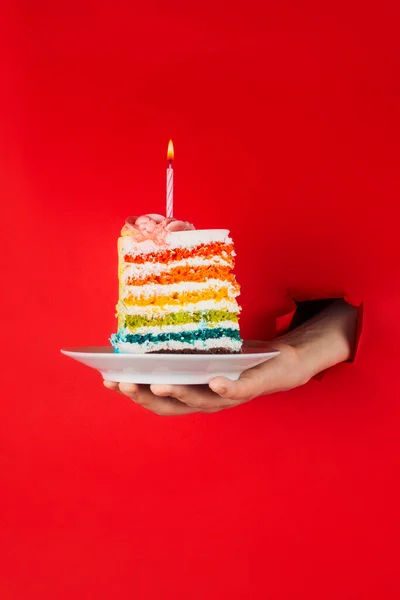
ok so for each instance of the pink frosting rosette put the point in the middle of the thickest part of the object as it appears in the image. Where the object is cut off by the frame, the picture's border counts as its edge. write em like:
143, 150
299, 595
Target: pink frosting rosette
153, 227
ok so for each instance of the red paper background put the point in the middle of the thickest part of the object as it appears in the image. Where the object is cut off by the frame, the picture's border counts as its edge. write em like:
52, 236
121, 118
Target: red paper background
285, 121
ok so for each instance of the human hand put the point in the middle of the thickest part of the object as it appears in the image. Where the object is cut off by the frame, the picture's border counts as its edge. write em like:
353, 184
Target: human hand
323, 341
280, 373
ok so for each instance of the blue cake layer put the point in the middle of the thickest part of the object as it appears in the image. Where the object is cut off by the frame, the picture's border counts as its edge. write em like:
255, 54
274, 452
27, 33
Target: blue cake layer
183, 336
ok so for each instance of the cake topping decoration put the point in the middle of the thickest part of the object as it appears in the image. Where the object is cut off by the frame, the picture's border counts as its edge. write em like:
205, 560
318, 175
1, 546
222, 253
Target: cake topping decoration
153, 227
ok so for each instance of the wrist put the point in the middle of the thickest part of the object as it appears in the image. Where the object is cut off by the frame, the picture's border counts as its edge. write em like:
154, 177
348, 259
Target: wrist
325, 340
322, 350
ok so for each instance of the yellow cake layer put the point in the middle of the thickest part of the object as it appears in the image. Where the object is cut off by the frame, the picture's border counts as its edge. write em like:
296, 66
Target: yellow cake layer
181, 298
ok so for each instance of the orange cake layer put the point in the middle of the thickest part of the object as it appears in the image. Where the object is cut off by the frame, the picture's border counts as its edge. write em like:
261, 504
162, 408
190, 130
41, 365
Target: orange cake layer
165, 256
182, 297
186, 273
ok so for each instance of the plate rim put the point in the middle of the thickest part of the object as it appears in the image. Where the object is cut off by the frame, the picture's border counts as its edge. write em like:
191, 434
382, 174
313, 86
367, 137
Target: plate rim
78, 350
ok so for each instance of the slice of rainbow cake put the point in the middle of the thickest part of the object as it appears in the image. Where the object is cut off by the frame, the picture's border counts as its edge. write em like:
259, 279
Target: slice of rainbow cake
177, 292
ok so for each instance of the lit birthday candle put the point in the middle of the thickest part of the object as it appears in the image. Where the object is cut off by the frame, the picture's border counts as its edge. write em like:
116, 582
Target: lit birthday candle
170, 181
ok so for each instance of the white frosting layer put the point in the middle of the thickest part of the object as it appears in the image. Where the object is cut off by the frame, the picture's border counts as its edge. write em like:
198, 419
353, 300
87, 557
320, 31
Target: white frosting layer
176, 239
159, 311
223, 342
155, 329
157, 289
140, 271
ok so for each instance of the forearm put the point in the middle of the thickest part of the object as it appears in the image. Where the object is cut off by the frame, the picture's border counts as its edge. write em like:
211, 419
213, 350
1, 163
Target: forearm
326, 339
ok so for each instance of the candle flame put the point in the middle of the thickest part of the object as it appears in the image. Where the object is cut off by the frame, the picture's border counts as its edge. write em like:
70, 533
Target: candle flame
170, 154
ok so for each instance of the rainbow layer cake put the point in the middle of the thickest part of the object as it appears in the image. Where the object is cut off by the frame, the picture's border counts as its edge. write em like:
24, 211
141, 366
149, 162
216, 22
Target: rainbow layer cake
177, 291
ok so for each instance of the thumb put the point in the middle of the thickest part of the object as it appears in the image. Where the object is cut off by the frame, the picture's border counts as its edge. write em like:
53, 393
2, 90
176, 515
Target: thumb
242, 389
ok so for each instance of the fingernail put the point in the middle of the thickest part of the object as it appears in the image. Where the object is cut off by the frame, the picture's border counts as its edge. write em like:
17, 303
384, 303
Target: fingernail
161, 391
220, 390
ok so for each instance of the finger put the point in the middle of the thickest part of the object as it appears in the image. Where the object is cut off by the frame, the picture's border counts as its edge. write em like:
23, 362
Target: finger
129, 389
195, 396
143, 396
111, 385
249, 385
